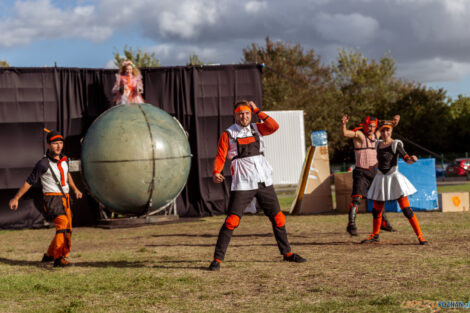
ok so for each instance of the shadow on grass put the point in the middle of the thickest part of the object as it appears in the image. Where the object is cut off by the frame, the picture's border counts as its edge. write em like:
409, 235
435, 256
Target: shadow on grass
25, 263
205, 268
253, 244
48, 265
234, 235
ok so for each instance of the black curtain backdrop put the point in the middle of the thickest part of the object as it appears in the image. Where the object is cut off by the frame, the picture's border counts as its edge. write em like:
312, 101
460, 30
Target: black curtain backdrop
69, 99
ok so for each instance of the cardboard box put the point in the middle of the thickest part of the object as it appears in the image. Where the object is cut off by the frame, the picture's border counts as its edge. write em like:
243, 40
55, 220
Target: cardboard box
343, 191
454, 202
314, 190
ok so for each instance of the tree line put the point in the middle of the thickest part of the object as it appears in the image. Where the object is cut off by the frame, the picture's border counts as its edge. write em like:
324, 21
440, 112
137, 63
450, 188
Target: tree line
295, 79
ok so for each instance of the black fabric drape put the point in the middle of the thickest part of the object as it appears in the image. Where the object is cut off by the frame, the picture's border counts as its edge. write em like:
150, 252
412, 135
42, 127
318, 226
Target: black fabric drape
69, 99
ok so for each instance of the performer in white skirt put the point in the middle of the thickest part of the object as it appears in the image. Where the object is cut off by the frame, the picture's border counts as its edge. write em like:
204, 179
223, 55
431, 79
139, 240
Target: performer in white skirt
389, 184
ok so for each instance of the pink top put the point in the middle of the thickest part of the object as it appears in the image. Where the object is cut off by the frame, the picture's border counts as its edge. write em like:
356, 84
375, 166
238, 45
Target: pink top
131, 88
366, 155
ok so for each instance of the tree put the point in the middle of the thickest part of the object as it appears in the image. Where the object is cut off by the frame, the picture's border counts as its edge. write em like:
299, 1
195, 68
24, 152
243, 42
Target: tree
138, 57
365, 88
459, 126
194, 60
295, 80
4, 64
425, 117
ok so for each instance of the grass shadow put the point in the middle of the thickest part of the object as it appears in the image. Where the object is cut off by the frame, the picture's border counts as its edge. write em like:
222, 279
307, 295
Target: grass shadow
48, 265
24, 263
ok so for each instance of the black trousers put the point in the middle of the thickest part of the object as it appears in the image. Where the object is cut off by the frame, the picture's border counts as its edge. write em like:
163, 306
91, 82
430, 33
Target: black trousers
239, 200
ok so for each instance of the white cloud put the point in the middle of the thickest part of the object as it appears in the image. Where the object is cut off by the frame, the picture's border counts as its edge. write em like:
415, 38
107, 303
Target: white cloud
435, 70
110, 64
352, 29
184, 20
429, 38
172, 54
41, 20
255, 6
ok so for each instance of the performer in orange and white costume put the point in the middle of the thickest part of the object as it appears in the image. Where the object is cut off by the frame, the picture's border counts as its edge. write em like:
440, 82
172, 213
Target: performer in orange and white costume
52, 172
390, 184
128, 87
243, 144
364, 139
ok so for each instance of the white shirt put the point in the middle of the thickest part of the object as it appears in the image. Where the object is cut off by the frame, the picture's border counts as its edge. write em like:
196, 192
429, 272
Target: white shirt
247, 172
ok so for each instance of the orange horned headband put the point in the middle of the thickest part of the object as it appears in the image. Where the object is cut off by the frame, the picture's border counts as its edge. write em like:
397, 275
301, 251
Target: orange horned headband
242, 108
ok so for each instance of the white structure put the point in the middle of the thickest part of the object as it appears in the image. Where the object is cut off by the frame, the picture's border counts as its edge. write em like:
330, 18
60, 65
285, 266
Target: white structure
285, 149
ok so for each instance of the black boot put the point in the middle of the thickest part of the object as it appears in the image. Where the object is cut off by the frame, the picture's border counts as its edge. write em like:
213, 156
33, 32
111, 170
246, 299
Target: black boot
214, 266
46, 258
385, 224
294, 257
352, 229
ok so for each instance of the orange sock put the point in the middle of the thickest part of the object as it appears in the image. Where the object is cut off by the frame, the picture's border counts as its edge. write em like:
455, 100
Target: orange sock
415, 224
376, 225
377, 221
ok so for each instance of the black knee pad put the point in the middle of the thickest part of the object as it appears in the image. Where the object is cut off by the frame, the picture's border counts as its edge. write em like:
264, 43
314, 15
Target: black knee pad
376, 213
408, 212
356, 201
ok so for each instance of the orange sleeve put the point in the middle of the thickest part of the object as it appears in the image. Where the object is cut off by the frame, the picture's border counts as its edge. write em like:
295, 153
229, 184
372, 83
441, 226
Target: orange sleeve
268, 126
222, 149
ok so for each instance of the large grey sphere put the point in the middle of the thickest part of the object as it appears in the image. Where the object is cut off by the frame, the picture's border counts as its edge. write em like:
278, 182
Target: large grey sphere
133, 155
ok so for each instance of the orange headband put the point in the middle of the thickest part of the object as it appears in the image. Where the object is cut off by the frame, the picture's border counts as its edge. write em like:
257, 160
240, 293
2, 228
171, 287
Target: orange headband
55, 137
242, 108
385, 126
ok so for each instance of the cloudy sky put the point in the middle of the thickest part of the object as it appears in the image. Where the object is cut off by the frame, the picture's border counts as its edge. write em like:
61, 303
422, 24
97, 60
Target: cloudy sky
430, 39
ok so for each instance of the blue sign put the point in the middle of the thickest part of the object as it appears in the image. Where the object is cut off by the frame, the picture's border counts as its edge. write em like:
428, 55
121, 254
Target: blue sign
422, 175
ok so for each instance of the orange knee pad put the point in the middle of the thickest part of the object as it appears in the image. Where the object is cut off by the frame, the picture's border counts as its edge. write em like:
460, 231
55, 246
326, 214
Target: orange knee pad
232, 222
280, 219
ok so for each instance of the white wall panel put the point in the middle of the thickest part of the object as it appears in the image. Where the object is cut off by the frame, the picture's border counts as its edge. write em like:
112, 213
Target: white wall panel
285, 149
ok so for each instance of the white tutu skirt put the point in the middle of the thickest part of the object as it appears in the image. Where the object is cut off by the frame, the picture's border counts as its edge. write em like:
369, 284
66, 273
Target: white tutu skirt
390, 187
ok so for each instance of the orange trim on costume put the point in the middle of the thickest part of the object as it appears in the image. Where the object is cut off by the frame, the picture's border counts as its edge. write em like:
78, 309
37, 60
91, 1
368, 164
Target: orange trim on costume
269, 125
55, 194
360, 196
242, 108
61, 170
218, 261
222, 149
280, 219
288, 254
403, 202
55, 137
232, 222
246, 140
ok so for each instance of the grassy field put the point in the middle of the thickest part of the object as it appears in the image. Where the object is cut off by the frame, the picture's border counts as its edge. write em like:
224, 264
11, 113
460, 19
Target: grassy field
162, 268
454, 188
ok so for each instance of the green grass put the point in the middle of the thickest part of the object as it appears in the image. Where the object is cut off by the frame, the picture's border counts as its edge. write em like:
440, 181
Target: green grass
454, 188
161, 268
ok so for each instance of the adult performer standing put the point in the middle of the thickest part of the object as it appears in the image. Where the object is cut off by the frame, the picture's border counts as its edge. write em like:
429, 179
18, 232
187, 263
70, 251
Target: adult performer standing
52, 171
390, 184
364, 140
128, 86
243, 144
